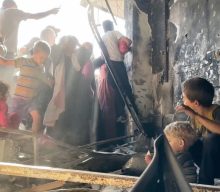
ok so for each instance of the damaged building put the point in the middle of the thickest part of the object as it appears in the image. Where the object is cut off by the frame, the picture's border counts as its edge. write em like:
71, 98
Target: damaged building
172, 41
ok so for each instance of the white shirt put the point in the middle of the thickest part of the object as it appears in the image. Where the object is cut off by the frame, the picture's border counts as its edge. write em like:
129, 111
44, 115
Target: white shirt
110, 40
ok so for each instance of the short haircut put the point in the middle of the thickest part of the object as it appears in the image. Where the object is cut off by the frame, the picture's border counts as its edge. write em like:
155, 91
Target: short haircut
181, 130
3, 90
41, 46
8, 4
107, 25
199, 89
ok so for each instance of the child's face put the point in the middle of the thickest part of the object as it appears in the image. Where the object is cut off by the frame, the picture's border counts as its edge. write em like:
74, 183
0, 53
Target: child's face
176, 144
187, 102
40, 57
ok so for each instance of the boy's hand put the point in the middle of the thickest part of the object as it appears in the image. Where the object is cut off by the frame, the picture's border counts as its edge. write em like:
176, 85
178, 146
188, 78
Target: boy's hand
54, 10
148, 158
187, 110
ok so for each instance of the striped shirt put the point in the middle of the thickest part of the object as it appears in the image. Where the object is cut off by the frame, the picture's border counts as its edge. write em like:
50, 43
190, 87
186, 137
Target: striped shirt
30, 78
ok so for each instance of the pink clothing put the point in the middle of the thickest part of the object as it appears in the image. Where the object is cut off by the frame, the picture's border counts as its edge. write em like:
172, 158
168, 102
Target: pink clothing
3, 114
87, 70
123, 46
8, 121
106, 98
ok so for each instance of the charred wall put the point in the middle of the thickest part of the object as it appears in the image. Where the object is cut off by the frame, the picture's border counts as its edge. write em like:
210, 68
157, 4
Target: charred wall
195, 37
173, 40
147, 25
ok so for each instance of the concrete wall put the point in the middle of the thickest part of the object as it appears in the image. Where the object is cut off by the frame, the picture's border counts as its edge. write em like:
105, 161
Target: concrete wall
189, 30
149, 70
195, 31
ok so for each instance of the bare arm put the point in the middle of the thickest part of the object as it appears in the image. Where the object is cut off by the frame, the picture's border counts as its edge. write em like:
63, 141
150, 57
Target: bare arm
6, 62
42, 14
211, 125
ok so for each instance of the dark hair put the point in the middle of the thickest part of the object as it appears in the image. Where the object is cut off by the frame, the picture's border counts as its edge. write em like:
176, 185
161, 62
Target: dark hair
3, 90
67, 39
8, 4
108, 25
41, 46
83, 55
199, 89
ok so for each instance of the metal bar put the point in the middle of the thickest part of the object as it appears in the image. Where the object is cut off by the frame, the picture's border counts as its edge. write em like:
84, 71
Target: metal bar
67, 175
110, 11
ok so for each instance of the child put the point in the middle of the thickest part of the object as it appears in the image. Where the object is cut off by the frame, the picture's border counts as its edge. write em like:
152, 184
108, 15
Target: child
181, 136
28, 83
6, 120
3, 105
198, 94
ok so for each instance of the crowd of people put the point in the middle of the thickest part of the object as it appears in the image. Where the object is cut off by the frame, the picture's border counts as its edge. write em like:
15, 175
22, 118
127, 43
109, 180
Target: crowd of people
56, 88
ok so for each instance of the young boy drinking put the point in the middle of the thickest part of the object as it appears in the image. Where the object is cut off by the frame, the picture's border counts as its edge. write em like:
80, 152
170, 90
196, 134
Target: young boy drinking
198, 94
28, 84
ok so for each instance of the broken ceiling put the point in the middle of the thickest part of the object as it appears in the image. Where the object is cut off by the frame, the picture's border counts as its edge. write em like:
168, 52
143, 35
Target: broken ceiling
117, 6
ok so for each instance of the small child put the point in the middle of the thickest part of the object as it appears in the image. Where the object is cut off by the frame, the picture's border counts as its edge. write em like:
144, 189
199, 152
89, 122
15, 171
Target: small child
6, 120
29, 84
181, 136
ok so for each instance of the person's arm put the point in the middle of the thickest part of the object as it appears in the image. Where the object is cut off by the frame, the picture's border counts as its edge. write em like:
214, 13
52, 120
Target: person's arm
42, 14
211, 125
7, 62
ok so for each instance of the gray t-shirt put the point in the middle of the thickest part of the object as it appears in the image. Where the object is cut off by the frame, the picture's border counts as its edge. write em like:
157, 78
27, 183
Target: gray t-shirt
10, 26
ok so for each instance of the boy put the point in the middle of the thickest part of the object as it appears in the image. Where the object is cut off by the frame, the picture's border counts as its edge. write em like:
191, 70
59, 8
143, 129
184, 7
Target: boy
198, 94
181, 136
28, 84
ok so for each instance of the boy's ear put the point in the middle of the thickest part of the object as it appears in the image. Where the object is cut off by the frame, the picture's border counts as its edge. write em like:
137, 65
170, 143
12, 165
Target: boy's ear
196, 103
182, 143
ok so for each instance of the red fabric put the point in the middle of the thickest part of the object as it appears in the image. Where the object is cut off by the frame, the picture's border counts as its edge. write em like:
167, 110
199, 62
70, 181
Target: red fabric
123, 46
14, 121
11, 121
87, 70
3, 114
106, 97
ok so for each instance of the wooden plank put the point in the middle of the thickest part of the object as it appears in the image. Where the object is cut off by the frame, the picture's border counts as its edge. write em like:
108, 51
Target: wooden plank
67, 175
17, 132
45, 187
78, 176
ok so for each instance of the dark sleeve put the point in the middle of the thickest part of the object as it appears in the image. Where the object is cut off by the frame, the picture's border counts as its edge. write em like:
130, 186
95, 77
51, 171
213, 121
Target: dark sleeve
216, 114
188, 167
98, 62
